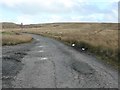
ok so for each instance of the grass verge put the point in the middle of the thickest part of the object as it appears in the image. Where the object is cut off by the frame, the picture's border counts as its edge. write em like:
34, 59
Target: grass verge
11, 38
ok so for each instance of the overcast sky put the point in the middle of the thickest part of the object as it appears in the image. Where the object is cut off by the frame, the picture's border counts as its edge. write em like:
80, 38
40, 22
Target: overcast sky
49, 11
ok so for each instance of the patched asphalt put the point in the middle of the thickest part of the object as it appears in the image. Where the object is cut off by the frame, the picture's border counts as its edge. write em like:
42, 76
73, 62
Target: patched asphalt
47, 63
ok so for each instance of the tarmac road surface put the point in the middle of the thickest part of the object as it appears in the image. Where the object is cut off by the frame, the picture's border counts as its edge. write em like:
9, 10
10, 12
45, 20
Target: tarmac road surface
48, 63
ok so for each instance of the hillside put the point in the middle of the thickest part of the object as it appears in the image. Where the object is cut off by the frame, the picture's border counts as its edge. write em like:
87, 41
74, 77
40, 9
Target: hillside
83, 26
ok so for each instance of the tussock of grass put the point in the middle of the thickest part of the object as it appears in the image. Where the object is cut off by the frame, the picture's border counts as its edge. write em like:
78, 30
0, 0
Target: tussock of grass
15, 39
7, 32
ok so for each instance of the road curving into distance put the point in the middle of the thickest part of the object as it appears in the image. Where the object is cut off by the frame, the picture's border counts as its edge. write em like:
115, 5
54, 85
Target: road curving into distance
47, 63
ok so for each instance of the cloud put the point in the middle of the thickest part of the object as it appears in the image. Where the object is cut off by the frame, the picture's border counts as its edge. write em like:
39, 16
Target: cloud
40, 3
27, 19
38, 6
36, 11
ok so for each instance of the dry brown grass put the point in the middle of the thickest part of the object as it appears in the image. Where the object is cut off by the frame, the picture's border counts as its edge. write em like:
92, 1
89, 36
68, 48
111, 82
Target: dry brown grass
104, 38
12, 38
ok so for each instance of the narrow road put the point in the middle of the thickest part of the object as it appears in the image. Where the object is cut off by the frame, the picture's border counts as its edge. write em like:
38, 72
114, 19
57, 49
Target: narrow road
51, 64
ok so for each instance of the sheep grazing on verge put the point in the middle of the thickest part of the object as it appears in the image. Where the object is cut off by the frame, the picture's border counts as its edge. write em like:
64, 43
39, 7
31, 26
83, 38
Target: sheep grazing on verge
73, 45
83, 49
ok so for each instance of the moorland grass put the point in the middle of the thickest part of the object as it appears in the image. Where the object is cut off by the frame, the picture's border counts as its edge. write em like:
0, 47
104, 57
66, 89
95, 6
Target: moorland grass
12, 38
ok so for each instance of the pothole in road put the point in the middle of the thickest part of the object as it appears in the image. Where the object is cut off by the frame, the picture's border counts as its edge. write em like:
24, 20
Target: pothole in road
20, 53
10, 58
82, 67
15, 56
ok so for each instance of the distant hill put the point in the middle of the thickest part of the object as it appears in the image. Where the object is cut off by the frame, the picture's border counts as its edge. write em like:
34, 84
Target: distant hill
83, 26
10, 25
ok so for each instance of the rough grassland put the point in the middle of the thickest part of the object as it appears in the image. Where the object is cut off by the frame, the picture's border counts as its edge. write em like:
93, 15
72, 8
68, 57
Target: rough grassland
11, 38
